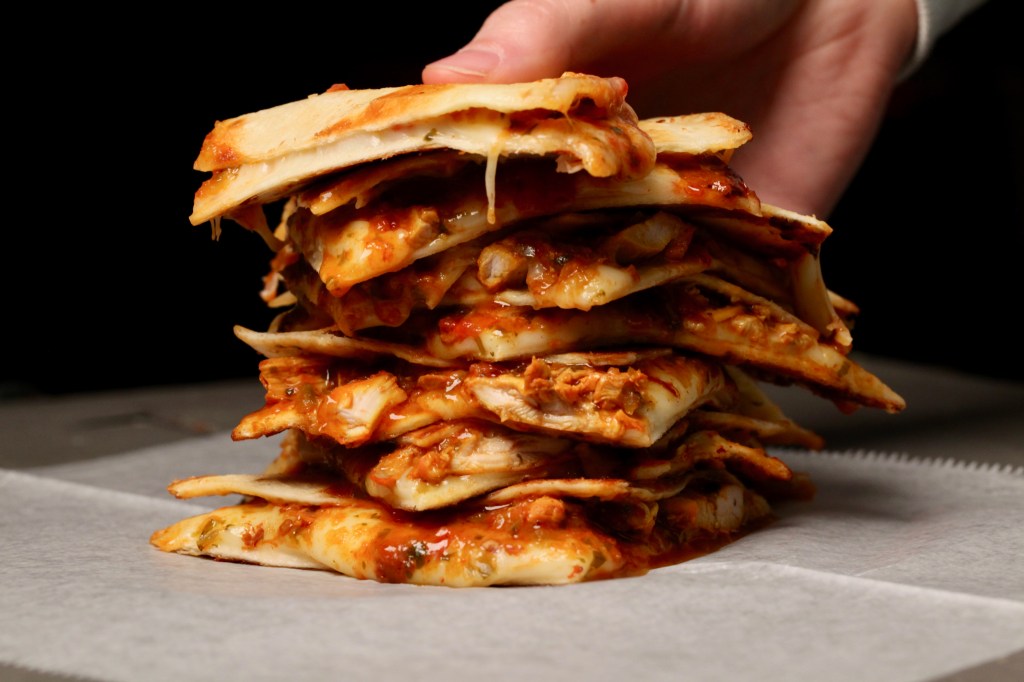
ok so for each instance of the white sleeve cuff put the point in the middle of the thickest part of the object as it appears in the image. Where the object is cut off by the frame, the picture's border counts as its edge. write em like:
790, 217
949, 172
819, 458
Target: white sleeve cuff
934, 18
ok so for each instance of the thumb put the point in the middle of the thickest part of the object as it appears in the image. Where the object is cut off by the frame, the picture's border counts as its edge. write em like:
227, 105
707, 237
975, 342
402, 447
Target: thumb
519, 41
525, 40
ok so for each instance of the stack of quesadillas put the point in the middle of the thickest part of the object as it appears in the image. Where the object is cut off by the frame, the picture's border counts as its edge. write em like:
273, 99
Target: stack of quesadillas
519, 339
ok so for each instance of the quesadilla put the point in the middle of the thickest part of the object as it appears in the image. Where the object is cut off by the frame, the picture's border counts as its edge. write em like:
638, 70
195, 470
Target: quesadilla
519, 336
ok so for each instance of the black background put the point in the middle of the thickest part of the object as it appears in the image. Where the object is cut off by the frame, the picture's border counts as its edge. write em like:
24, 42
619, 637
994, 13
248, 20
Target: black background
109, 286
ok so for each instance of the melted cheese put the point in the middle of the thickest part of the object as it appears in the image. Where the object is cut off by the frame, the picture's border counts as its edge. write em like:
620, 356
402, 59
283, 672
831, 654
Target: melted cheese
521, 540
576, 261
463, 552
608, 145
451, 462
347, 246
633, 404
745, 328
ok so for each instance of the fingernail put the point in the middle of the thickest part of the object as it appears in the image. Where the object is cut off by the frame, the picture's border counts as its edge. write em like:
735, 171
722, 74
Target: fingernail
470, 61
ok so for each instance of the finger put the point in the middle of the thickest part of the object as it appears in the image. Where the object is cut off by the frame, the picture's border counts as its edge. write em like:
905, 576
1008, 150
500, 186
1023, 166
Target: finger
516, 41
530, 39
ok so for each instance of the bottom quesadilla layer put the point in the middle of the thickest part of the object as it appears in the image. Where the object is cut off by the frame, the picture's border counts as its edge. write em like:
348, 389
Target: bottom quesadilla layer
536, 540
617, 514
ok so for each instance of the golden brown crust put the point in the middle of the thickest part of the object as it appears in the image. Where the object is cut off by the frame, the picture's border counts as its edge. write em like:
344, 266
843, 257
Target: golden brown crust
527, 539
323, 118
523, 332
581, 121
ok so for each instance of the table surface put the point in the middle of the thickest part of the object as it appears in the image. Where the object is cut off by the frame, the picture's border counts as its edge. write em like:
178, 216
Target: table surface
950, 415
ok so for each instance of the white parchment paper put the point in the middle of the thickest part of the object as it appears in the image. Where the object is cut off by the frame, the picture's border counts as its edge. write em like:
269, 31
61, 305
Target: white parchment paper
898, 570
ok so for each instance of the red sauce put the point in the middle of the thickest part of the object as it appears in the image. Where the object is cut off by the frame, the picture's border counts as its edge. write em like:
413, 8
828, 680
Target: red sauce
252, 536
710, 179
297, 519
474, 537
457, 328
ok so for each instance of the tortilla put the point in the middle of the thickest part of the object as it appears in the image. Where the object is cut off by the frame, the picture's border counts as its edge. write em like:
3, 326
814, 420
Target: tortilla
519, 336
582, 121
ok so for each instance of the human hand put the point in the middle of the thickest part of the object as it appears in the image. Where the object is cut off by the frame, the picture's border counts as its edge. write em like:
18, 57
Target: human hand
811, 77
